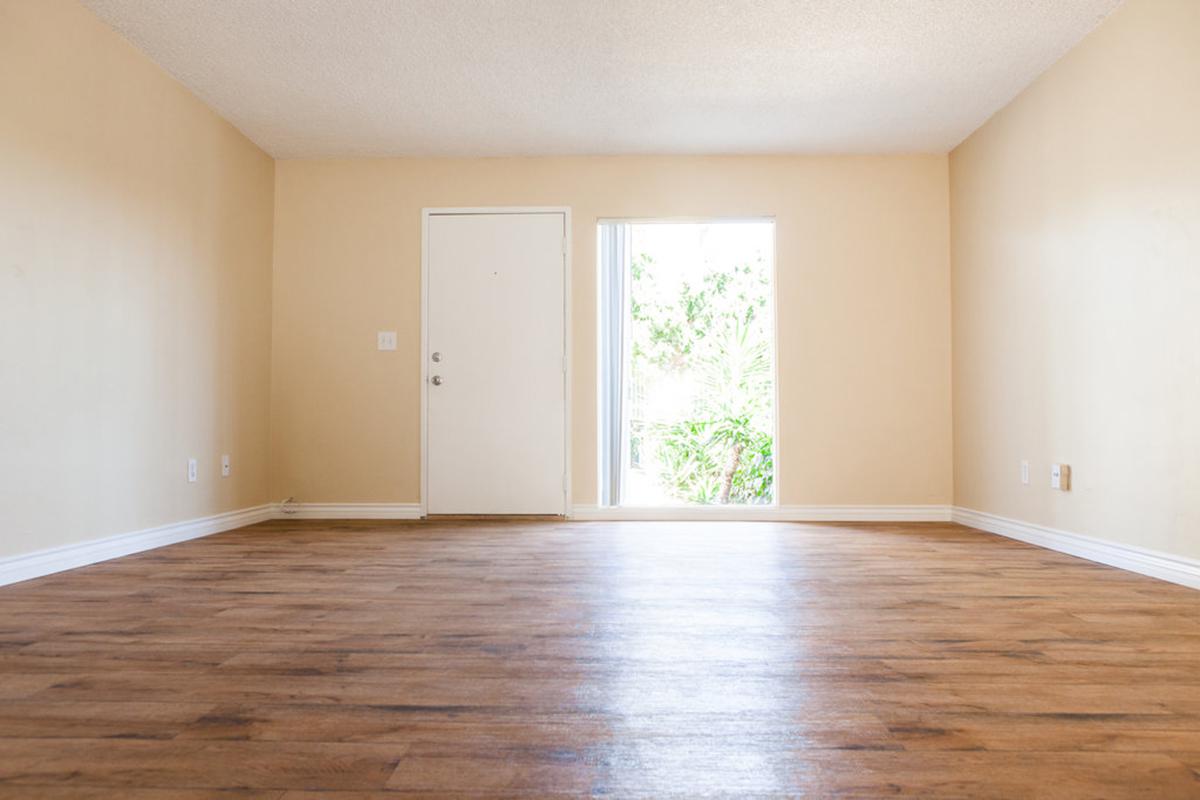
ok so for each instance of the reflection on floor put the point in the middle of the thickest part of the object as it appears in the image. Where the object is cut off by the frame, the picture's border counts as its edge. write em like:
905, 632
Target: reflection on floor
295, 659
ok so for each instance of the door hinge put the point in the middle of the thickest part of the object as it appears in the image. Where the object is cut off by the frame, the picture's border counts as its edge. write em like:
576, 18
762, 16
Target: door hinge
564, 364
564, 245
564, 483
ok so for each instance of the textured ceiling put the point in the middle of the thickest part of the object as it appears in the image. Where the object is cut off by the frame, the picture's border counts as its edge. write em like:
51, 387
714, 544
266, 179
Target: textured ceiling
311, 78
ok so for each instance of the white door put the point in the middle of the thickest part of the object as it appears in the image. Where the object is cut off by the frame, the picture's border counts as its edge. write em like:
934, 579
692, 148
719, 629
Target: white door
495, 368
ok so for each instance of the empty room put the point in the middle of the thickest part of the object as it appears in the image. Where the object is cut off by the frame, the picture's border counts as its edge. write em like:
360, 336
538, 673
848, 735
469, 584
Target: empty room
550, 398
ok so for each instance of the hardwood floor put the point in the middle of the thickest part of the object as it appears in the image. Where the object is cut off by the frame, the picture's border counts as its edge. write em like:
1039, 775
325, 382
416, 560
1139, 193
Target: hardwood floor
451, 659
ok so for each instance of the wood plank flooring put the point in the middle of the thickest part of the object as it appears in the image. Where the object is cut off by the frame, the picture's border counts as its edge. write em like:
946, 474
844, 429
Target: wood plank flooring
531, 659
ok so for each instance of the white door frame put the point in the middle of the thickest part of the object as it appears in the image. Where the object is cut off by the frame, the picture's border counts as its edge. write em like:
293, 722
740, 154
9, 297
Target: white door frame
426, 213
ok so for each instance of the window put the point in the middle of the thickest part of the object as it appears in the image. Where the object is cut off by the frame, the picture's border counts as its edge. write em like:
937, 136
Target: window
687, 363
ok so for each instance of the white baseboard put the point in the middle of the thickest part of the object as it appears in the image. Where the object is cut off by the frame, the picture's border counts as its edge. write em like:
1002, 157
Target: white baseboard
349, 511
913, 513
1156, 564
46, 562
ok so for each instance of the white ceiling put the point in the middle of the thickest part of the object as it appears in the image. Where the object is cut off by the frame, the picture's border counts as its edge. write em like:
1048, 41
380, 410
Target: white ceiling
312, 78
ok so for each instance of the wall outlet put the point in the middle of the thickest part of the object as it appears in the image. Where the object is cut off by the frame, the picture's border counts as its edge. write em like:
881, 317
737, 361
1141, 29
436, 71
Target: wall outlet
1060, 477
386, 340
225, 467
193, 470
1025, 472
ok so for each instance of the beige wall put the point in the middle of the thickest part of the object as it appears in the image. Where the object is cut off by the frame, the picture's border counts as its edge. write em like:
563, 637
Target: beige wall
1076, 252
137, 308
864, 315
135, 257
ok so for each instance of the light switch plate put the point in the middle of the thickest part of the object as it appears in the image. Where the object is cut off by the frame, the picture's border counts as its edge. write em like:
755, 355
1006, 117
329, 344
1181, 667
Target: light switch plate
226, 468
387, 340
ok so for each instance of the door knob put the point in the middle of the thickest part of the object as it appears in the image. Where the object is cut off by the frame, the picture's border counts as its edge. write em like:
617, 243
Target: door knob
436, 357
436, 380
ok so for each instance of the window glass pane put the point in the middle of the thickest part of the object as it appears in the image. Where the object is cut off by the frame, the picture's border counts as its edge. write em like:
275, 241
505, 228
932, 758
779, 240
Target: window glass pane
699, 379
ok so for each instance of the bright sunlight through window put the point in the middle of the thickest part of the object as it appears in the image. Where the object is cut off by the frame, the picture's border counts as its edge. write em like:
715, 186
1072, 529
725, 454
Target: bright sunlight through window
687, 355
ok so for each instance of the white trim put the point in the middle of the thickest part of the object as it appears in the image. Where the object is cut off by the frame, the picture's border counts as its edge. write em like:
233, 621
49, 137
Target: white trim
468, 210
350, 511
1155, 563
425, 214
719, 220
776, 445
569, 367
764, 513
568, 373
57, 559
